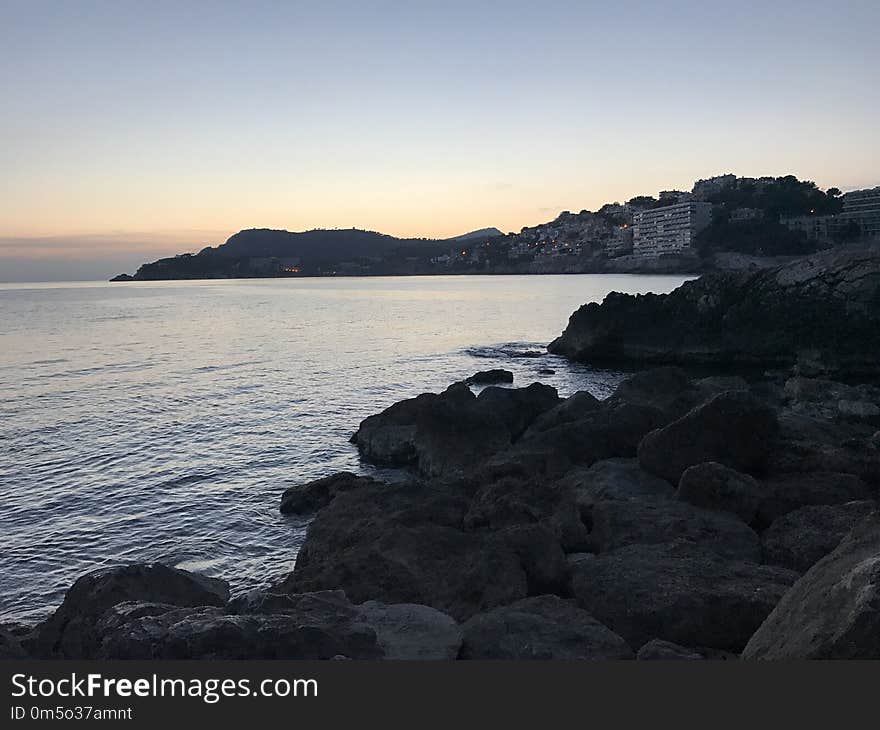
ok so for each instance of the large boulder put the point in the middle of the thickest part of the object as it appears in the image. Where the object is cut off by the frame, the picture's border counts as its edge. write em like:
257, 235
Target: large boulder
679, 593
785, 493
734, 428
436, 434
714, 486
613, 430
490, 377
833, 611
307, 498
70, 631
617, 523
821, 313
407, 544
454, 432
668, 389
614, 479
407, 631
543, 627
518, 407
573, 408
800, 539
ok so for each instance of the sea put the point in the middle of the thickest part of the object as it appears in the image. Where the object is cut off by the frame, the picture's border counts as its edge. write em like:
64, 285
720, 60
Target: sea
161, 421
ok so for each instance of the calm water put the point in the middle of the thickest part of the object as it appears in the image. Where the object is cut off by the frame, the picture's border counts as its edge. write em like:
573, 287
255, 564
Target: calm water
162, 421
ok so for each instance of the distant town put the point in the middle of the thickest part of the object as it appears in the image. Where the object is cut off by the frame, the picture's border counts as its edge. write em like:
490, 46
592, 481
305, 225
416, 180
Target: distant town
723, 221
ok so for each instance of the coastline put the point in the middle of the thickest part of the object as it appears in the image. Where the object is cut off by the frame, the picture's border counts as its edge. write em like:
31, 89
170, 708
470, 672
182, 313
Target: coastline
680, 518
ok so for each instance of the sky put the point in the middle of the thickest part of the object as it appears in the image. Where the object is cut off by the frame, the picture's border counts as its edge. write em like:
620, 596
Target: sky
132, 130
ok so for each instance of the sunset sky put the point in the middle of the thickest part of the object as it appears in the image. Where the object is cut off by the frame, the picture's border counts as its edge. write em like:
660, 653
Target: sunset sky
131, 130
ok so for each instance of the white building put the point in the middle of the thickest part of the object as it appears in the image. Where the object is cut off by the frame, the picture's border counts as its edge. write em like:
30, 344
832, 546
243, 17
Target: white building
670, 229
863, 207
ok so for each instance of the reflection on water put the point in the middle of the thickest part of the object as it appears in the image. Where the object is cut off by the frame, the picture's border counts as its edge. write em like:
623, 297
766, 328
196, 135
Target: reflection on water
162, 421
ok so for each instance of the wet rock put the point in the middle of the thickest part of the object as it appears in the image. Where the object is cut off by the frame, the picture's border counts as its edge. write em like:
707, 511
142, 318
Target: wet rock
70, 631
714, 486
801, 538
543, 627
679, 593
306, 498
833, 611
666, 651
489, 377
618, 523
734, 428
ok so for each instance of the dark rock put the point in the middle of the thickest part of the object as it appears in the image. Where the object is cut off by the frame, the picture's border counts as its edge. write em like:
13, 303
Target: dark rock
540, 555
668, 389
307, 498
833, 611
156, 631
787, 492
518, 407
11, 645
678, 593
614, 479
821, 313
437, 434
573, 408
613, 430
454, 432
546, 371
406, 544
403, 630
714, 486
802, 538
70, 631
721, 384
734, 428
617, 523
488, 377
543, 627
514, 501
407, 631
666, 651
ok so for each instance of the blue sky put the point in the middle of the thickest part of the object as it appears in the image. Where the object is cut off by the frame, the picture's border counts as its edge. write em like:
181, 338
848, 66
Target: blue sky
132, 130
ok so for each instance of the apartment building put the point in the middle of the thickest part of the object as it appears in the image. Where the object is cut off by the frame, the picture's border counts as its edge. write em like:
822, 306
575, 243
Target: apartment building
670, 229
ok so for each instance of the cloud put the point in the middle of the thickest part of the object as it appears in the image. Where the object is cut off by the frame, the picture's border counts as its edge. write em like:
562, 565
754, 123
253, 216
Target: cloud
90, 246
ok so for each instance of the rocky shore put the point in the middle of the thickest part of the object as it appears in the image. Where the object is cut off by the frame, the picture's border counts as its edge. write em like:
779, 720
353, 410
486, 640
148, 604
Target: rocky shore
682, 518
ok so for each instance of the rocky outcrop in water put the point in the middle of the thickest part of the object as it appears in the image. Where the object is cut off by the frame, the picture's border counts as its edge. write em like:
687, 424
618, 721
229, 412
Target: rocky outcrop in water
677, 519
820, 313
